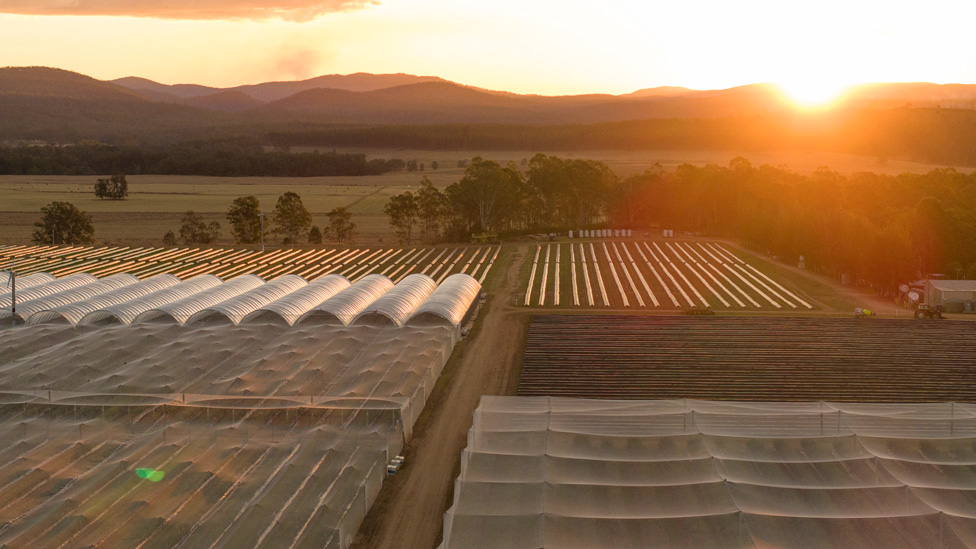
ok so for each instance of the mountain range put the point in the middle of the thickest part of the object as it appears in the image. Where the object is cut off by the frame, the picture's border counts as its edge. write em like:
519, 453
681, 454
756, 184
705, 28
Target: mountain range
57, 105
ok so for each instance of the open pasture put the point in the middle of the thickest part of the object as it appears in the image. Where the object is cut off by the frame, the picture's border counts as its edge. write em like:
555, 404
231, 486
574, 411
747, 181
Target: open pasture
652, 274
353, 263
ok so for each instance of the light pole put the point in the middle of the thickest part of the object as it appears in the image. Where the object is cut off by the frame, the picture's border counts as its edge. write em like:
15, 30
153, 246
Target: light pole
12, 282
261, 217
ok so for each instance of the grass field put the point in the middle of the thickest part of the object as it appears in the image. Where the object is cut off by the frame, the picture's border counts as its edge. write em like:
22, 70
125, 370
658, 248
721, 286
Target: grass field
157, 202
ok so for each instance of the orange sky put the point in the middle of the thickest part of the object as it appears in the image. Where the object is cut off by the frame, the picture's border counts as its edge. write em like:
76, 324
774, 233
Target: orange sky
525, 46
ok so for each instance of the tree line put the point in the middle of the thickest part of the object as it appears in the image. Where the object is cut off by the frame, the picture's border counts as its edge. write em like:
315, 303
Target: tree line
224, 159
880, 230
939, 136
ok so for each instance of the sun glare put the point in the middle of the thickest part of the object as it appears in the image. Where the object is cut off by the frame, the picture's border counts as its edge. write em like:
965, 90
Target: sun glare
812, 93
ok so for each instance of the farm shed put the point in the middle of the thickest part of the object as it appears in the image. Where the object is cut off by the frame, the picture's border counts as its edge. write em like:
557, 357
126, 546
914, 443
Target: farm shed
938, 292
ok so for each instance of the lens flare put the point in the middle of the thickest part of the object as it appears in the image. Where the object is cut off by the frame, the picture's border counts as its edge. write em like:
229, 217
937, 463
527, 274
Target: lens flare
152, 475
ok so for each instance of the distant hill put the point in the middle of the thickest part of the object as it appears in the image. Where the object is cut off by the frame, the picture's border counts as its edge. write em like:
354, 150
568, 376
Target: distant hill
48, 82
230, 101
273, 91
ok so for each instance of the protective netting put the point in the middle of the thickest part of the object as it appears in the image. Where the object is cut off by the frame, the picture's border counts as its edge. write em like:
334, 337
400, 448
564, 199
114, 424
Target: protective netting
291, 307
204, 434
73, 312
342, 307
181, 311
449, 303
556, 472
27, 308
45, 289
236, 308
396, 305
126, 313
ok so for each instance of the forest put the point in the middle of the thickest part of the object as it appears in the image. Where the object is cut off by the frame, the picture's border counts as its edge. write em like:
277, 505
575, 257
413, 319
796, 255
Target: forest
879, 230
225, 159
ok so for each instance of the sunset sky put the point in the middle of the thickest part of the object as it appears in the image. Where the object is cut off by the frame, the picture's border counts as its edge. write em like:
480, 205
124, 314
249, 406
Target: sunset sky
525, 46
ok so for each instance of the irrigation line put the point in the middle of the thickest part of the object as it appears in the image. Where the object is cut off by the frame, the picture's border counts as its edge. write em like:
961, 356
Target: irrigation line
535, 264
764, 285
572, 263
599, 276
545, 277
691, 267
490, 263
586, 277
630, 279
705, 266
555, 282
660, 280
753, 286
670, 277
640, 275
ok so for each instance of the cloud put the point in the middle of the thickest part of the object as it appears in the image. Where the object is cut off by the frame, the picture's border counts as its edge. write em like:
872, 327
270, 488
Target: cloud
253, 10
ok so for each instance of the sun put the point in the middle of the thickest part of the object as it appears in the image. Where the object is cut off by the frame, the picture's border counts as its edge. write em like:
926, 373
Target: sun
812, 93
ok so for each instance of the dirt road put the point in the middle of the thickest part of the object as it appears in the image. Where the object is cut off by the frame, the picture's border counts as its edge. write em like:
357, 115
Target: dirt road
409, 510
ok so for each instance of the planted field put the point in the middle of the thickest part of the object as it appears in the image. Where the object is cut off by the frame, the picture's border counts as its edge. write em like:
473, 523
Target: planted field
353, 263
754, 358
667, 274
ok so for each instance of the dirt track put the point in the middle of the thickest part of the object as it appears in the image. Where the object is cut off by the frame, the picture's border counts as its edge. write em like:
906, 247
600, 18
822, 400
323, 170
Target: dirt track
410, 508
409, 511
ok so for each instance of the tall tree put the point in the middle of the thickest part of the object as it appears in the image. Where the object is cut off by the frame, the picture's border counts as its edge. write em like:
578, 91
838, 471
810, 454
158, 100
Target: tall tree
63, 223
115, 187
194, 230
315, 235
402, 211
431, 208
341, 227
290, 217
486, 193
245, 221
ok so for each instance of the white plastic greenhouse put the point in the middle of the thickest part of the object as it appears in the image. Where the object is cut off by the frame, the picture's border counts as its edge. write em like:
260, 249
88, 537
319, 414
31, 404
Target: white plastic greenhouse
46, 289
345, 305
180, 311
560, 472
23, 282
290, 308
74, 312
236, 308
126, 313
396, 305
449, 303
28, 307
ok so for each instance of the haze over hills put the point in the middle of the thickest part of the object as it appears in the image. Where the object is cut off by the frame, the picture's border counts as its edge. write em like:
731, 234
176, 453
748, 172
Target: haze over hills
923, 121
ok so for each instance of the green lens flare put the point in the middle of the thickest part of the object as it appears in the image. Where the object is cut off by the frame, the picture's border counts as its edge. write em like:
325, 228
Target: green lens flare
151, 475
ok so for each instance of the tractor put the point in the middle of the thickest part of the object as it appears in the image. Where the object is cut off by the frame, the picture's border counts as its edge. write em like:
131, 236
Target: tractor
928, 311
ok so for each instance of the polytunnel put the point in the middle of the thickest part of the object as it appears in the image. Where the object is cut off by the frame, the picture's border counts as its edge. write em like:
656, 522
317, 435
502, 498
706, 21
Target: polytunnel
126, 313
399, 303
23, 282
449, 303
345, 305
43, 290
27, 308
181, 311
236, 308
74, 312
291, 307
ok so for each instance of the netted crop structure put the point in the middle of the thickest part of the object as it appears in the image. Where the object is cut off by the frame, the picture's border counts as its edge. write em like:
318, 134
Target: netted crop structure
72, 312
126, 313
449, 304
555, 472
206, 434
346, 304
29, 307
291, 307
396, 305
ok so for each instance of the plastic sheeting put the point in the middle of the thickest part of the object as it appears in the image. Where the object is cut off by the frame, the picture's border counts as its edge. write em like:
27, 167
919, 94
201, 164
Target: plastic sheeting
180, 311
74, 312
396, 305
449, 302
236, 308
126, 313
46, 289
291, 307
345, 305
554, 472
29, 307
23, 282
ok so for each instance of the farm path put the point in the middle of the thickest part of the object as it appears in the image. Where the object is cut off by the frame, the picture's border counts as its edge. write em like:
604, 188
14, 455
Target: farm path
409, 510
